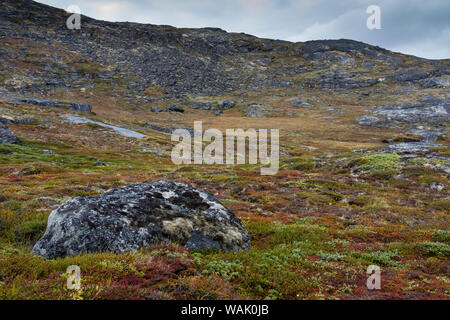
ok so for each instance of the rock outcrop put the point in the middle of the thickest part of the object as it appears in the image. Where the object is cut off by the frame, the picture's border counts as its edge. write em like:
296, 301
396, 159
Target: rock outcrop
410, 75
74, 106
339, 81
126, 219
6, 135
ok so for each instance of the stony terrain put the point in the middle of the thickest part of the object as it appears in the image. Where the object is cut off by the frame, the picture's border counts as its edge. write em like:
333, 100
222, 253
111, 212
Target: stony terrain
86, 114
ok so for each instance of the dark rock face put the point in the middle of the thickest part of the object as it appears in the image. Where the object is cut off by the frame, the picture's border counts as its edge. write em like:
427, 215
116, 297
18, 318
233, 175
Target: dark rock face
410, 75
126, 219
175, 109
74, 106
80, 107
6, 136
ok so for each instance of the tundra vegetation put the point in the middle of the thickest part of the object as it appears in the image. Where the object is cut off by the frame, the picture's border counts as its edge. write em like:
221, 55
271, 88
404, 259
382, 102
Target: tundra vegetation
315, 226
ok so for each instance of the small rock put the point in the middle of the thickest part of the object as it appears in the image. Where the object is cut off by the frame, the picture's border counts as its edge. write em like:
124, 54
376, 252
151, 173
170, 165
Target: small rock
155, 109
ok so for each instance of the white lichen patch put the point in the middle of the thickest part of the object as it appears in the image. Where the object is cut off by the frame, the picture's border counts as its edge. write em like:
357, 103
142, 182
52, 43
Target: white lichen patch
180, 228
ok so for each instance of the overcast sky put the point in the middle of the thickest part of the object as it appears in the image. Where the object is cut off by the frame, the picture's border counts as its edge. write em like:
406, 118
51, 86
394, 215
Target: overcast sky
418, 27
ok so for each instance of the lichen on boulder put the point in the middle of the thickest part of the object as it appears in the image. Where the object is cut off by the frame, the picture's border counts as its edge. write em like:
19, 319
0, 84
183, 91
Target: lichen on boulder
126, 219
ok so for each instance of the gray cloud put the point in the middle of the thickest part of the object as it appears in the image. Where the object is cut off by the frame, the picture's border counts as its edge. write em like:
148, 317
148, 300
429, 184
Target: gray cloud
417, 27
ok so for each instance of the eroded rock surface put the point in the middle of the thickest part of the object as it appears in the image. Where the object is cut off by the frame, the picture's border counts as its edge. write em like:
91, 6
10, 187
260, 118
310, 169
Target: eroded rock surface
74, 106
6, 135
126, 219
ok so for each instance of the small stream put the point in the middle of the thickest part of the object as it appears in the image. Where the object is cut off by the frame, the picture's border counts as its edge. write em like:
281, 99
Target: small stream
122, 131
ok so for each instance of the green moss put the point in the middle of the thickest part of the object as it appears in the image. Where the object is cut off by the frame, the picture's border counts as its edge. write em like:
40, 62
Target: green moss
321, 184
30, 231
382, 162
433, 249
383, 258
331, 257
360, 201
302, 164
4, 77
442, 236
315, 198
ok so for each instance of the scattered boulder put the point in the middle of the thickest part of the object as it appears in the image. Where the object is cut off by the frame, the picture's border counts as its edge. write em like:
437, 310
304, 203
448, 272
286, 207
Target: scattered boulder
174, 108
155, 109
301, 103
255, 110
126, 219
203, 105
227, 104
217, 108
6, 135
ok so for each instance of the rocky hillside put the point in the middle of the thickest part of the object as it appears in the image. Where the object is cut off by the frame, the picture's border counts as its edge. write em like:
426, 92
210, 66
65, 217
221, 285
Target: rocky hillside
187, 61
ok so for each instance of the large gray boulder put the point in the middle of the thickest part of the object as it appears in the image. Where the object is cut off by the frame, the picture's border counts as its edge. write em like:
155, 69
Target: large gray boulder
126, 219
6, 135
